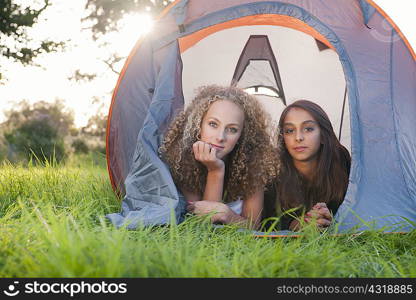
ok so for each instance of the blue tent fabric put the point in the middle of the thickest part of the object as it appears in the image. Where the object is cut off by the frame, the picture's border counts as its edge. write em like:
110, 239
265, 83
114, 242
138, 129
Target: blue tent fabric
368, 11
380, 73
151, 196
382, 197
403, 89
134, 90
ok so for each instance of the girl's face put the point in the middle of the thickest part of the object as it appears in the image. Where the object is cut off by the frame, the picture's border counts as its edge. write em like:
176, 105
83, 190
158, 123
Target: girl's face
302, 135
222, 126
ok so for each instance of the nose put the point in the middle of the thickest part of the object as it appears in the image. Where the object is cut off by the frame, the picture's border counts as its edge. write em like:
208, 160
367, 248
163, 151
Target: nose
299, 136
221, 135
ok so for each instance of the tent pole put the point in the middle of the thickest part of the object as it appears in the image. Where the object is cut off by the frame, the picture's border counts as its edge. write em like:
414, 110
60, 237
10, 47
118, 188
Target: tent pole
342, 115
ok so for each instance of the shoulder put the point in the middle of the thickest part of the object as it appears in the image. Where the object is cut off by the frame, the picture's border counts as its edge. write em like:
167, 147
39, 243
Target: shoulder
345, 158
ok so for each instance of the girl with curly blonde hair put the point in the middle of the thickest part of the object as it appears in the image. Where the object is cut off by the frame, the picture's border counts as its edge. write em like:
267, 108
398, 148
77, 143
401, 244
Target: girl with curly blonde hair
219, 150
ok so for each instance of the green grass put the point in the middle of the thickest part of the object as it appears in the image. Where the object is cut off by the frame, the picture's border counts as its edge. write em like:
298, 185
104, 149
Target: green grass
52, 224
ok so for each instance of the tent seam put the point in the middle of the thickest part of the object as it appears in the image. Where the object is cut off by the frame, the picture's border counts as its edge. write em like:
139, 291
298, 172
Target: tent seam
394, 115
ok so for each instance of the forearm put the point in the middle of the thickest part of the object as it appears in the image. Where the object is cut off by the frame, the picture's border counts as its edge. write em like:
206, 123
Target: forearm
247, 222
214, 186
251, 212
222, 213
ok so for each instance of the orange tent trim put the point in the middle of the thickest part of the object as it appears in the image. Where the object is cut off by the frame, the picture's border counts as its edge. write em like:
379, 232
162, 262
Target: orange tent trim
334, 235
265, 19
383, 13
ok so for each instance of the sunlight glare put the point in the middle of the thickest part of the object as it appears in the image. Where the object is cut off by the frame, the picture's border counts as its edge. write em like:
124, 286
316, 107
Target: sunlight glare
132, 27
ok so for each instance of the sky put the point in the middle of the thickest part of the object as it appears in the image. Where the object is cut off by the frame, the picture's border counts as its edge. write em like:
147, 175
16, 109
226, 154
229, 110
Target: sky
61, 21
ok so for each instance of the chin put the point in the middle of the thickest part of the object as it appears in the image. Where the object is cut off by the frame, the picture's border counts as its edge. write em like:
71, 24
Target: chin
222, 156
301, 158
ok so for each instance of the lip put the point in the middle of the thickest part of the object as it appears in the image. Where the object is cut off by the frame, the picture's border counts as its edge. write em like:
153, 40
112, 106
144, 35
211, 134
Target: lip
300, 148
217, 147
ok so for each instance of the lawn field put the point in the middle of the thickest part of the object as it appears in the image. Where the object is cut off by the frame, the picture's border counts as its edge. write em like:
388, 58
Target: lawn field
52, 224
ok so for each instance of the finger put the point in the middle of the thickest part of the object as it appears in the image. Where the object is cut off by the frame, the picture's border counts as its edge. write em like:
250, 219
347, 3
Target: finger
196, 144
195, 148
325, 213
319, 205
207, 150
200, 150
213, 153
319, 213
201, 146
313, 213
323, 222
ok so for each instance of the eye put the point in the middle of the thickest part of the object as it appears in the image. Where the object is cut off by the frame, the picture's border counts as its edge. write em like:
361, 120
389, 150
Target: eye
232, 129
309, 129
213, 124
288, 131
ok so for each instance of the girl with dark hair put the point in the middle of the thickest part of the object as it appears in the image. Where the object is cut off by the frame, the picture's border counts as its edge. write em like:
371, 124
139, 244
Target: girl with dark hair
314, 167
219, 150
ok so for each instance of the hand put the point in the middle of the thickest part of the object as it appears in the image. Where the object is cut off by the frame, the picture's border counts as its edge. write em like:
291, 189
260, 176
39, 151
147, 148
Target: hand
321, 213
204, 207
207, 155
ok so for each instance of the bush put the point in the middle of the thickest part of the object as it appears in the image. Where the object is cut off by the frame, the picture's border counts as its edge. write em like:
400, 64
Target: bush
56, 114
3, 153
37, 130
80, 146
100, 149
37, 138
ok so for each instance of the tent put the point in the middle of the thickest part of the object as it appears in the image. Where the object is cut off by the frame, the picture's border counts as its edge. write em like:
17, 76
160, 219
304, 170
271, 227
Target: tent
346, 55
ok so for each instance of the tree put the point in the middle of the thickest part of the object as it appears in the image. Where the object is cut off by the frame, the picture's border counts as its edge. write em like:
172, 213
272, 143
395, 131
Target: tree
15, 43
95, 131
38, 129
104, 14
38, 140
104, 17
96, 126
55, 113
80, 146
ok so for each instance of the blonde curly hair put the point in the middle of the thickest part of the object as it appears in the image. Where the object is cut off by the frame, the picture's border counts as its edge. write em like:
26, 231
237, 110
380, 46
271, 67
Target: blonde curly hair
252, 164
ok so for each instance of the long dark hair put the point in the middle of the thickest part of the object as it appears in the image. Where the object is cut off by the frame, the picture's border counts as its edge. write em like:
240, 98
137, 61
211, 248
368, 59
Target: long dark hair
330, 181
